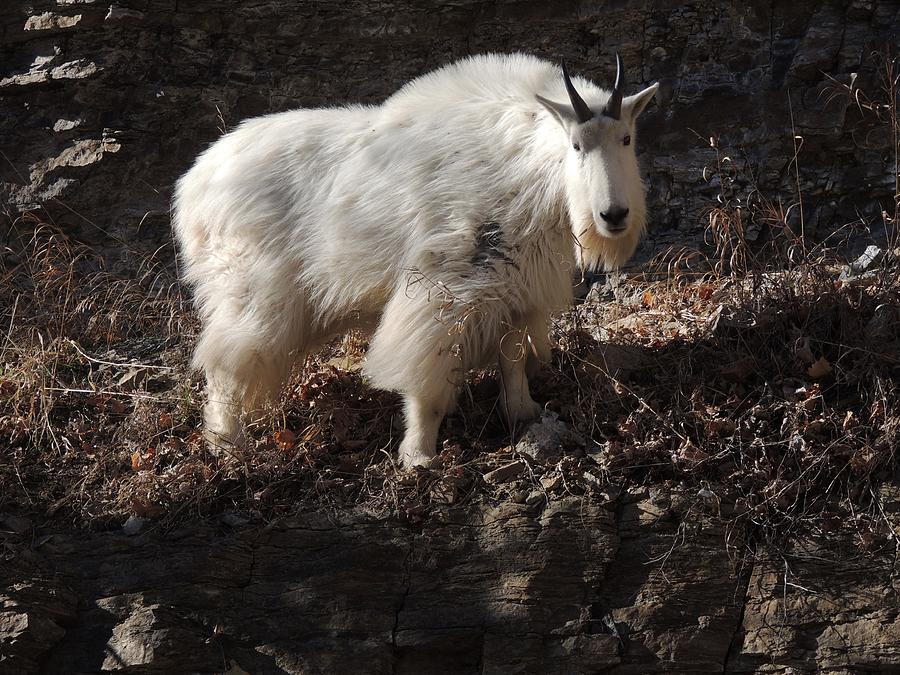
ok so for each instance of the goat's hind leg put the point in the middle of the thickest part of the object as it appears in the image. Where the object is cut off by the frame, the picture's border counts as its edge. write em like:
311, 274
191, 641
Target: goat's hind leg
245, 351
222, 425
239, 388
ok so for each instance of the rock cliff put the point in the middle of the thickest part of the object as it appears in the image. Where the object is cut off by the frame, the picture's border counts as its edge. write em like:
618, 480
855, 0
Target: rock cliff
105, 104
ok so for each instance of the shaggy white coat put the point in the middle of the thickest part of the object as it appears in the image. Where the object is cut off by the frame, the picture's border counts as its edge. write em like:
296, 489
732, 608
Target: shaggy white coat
448, 220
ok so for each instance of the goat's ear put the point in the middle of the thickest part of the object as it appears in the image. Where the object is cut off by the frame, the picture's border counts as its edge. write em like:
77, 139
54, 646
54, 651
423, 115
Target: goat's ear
634, 105
563, 112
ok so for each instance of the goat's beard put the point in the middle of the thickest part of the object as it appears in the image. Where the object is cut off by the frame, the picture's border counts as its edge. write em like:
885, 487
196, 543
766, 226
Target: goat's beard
597, 251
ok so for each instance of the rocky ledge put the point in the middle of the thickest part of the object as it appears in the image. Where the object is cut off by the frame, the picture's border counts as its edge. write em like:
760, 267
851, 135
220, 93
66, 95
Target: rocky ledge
646, 580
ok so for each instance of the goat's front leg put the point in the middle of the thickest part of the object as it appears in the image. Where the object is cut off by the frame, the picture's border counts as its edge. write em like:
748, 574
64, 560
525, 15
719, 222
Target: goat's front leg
410, 354
515, 397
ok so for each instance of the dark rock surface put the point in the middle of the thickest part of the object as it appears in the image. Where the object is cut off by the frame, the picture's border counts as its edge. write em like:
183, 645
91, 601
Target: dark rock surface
105, 104
649, 581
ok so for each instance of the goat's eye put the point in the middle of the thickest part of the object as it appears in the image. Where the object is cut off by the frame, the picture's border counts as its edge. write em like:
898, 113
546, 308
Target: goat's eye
627, 140
577, 146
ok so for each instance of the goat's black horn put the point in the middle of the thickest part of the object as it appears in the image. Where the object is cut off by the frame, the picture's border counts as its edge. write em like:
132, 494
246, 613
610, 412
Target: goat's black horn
582, 112
614, 106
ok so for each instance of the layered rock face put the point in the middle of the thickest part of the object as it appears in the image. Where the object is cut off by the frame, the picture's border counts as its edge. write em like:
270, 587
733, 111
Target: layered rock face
646, 581
105, 104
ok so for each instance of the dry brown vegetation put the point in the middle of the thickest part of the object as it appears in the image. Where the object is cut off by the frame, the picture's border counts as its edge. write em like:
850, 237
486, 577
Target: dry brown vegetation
753, 374
771, 392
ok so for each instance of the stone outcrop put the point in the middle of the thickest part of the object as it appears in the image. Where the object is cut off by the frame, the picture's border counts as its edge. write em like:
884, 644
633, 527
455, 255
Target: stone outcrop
644, 581
105, 104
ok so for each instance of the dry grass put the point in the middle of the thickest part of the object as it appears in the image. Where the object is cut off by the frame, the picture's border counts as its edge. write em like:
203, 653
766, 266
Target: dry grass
777, 403
750, 375
772, 394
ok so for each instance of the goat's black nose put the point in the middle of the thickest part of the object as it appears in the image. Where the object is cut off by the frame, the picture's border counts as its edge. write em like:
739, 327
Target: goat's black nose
615, 217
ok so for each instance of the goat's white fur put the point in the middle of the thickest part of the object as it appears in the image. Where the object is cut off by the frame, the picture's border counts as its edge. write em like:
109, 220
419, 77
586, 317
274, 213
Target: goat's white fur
448, 220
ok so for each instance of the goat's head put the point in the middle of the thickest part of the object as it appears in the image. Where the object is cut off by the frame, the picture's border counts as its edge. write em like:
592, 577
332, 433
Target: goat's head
603, 182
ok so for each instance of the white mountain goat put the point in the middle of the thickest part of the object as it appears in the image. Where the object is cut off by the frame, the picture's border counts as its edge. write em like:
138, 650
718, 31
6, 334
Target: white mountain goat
448, 219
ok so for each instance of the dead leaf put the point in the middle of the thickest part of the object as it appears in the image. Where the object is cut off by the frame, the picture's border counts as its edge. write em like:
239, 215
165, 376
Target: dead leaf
815, 429
133, 379
174, 444
345, 363
286, 439
591, 479
819, 369
142, 507
810, 403
450, 452
311, 433
720, 427
550, 483
689, 455
647, 299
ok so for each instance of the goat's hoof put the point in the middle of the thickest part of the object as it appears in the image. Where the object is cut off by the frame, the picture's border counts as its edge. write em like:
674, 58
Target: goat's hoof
410, 459
224, 444
526, 411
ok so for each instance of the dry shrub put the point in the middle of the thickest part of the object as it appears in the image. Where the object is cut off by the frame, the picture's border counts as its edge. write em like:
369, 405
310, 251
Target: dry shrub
748, 374
761, 372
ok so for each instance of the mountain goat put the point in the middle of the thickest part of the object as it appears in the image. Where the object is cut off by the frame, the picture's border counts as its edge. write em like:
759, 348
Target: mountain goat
448, 220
